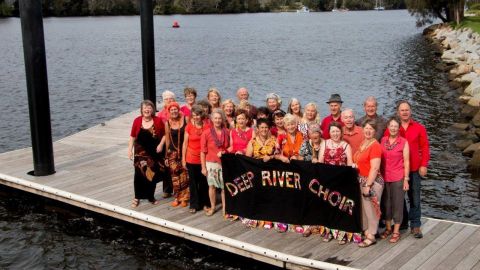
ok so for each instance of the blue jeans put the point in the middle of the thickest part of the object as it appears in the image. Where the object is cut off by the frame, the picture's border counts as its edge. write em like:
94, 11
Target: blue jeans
414, 197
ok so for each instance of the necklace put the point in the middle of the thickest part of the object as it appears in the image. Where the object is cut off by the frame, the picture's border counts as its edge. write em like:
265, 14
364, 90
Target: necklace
175, 147
366, 144
334, 144
242, 134
223, 137
198, 129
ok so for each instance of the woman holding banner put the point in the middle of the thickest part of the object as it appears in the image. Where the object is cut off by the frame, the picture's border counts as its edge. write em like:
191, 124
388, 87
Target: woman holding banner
289, 144
262, 146
335, 151
309, 149
367, 160
214, 142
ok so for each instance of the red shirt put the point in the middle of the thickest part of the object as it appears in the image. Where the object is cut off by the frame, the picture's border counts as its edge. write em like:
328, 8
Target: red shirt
192, 154
240, 139
209, 147
137, 124
163, 115
417, 139
326, 123
185, 111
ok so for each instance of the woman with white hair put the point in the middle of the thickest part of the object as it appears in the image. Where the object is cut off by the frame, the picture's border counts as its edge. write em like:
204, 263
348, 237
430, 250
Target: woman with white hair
273, 102
167, 98
309, 149
289, 144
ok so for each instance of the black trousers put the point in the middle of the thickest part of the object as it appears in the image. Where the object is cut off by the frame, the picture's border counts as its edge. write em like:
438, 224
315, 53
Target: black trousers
198, 187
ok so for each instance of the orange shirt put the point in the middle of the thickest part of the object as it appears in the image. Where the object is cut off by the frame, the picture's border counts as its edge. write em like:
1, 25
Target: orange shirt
291, 148
362, 158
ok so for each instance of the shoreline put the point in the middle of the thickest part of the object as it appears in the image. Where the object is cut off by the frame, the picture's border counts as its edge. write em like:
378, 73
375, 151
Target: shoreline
459, 53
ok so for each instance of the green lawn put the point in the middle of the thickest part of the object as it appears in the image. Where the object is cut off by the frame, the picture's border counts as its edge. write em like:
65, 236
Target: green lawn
471, 22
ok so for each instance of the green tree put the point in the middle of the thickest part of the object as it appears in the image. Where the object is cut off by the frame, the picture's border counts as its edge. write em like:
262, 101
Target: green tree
6, 10
427, 10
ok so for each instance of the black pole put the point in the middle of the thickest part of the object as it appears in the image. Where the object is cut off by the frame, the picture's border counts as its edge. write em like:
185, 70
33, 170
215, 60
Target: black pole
148, 50
37, 86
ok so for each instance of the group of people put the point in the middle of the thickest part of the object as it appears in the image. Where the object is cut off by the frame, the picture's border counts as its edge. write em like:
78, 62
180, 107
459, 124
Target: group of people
182, 146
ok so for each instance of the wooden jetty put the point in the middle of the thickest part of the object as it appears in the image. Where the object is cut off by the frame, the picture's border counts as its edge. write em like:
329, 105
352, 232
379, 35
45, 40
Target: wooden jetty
94, 173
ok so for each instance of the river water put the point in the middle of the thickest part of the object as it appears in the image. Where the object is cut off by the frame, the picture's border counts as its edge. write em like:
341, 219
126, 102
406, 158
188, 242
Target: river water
94, 68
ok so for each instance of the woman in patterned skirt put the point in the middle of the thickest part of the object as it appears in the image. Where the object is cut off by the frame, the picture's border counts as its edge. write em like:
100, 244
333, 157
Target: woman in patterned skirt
143, 147
175, 130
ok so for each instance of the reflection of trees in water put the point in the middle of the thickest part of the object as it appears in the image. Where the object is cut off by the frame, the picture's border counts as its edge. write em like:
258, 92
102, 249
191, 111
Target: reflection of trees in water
448, 190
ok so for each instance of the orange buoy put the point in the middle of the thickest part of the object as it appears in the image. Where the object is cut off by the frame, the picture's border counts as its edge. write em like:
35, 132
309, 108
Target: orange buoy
175, 24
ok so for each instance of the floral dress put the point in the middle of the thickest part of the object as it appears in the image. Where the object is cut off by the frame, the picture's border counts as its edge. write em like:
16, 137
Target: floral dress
335, 155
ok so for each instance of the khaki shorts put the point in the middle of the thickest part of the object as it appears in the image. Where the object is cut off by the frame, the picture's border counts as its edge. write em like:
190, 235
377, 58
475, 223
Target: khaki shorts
214, 174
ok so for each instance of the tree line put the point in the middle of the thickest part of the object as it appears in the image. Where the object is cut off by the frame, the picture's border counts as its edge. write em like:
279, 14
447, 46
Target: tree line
426, 11
130, 7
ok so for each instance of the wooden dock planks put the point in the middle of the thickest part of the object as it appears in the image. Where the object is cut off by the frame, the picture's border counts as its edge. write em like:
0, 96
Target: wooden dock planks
93, 164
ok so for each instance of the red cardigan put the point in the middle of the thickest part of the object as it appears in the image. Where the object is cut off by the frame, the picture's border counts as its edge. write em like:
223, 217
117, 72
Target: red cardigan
157, 122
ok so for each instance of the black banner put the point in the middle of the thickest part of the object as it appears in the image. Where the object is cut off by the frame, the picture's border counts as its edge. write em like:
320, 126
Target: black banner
299, 192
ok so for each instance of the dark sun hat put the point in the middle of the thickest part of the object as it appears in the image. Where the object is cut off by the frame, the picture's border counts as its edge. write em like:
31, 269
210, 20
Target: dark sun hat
335, 98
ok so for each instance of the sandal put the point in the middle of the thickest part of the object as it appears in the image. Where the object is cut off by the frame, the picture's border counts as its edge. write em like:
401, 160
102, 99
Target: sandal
184, 204
210, 212
367, 242
327, 237
307, 232
135, 203
395, 237
175, 203
192, 210
155, 202
386, 234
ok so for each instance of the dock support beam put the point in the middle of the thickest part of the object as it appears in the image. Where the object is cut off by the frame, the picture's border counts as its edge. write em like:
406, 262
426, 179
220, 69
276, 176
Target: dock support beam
37, 86
148, 50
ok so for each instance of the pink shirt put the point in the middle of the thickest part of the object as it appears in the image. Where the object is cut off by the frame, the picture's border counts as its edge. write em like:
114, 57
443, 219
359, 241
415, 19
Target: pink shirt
393, 169
208, 146
240, 139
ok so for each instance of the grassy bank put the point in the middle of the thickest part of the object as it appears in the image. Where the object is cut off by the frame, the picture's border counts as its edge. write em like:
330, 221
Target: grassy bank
472, 22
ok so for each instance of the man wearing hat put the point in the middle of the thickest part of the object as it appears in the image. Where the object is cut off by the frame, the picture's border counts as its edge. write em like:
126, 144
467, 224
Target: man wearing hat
335, 104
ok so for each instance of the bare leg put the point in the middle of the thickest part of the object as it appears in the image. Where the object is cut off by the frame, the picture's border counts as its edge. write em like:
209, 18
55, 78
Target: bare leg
396, 228
212, 196
388, 225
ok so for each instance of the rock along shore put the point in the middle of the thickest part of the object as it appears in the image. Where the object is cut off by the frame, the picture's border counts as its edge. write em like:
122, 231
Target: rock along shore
459, 50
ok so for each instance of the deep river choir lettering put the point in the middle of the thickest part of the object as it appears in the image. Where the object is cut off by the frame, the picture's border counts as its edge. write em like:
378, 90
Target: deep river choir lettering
296, 193
286, 179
